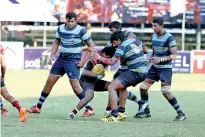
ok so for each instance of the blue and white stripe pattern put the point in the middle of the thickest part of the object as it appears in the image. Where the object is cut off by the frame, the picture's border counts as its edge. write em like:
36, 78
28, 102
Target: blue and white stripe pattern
132, 56
72, 40
162, 45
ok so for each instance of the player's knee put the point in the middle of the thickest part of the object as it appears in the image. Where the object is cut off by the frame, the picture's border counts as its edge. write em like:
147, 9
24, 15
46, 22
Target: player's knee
110, 87
165, 88
144, 87
77, 89
89, 97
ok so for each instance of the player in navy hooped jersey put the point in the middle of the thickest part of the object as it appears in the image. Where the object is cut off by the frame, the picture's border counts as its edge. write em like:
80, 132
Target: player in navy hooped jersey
71, 38
164, 52
132, 71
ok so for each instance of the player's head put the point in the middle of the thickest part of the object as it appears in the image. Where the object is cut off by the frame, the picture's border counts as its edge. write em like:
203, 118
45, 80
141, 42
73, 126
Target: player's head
117, 38
71, 19
158, 25
108, 52
114, 26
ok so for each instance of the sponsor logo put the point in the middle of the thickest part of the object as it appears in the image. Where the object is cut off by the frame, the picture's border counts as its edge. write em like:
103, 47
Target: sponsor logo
199, 62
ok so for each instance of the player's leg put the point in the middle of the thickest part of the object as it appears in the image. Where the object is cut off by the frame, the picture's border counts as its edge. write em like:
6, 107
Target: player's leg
73, 73
166, 77
112, 89
124, 80
108, 108
144, 87
89, 94
80, 94
101, 86
144, 99
14, 102
3, 110
56, 72
122, 101
78, 91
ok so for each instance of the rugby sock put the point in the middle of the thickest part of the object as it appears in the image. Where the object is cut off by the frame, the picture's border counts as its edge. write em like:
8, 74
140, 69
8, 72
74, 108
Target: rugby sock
81, 95
75, 111
88, 106
16, 105
2, 105
175, 105
42, 99
144, 97
121, 109
132, 97
108, 108
114, 113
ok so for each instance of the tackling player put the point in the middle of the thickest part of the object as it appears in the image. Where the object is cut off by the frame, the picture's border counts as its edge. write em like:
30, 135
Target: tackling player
91, 82
132, 71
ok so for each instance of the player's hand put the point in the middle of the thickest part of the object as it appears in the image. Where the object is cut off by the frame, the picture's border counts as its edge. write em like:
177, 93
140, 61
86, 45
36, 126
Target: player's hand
50, 61
155, 60
103, 74
80, 64
88, 49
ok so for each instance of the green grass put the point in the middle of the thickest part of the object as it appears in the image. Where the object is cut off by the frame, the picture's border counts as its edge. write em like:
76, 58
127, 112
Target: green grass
27, 85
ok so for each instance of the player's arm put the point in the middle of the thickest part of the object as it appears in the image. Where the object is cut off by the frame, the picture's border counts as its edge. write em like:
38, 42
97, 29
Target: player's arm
173, 50
90, 44
111, 61
91, 74
85, 36
152, 55
87, 71
3, 66
55, 46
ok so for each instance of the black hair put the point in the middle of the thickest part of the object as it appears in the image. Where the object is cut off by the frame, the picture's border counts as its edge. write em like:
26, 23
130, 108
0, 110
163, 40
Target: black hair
118, 35
115, 24
159, 21
71, 15
110, 51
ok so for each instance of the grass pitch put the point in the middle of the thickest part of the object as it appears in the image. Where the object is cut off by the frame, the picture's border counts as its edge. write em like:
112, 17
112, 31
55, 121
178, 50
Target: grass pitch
27, 85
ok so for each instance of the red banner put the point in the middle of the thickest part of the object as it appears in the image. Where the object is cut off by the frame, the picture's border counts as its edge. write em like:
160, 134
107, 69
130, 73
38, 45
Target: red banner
198, 59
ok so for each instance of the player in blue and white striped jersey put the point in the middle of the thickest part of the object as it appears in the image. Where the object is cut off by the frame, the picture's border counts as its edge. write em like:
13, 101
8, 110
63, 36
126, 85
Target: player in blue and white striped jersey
164, 52
70, 38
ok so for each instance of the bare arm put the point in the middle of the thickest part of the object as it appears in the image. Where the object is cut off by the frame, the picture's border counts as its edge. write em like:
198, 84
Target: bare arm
3, 66
172, 49
90, 44
54, 49
111, 61
89, 73
173, 55
169, 58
